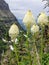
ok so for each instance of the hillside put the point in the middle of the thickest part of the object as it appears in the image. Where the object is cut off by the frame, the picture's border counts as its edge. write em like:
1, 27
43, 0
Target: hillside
6, 17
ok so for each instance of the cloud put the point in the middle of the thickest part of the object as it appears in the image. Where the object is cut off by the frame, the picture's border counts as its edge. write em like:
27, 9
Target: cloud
19, 7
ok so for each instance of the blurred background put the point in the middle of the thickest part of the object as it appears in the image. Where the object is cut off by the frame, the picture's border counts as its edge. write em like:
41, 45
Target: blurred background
20, 7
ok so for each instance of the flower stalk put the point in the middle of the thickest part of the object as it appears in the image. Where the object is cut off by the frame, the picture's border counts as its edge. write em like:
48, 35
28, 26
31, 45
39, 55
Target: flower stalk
16, 53
36, 55
30, 58
42, 42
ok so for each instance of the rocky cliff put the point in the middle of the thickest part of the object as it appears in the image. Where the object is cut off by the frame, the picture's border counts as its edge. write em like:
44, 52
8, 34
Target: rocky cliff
5, 14
6, 17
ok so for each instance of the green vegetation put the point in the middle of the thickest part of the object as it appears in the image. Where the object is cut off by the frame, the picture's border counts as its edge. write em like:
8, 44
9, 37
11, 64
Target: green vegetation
27, 49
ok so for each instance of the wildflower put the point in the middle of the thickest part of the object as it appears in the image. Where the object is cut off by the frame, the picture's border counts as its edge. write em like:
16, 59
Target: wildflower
11, 47
43, 19
13, 31
29, 20
34, 29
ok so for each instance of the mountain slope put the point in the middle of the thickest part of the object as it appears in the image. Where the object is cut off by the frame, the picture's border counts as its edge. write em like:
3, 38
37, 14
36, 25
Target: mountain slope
6, 18
5, 14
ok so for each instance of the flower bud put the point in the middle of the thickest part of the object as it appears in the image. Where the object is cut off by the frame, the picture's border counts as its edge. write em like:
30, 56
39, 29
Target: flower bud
34, 29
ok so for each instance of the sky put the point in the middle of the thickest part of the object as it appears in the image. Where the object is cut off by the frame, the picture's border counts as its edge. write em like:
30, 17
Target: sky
20, 7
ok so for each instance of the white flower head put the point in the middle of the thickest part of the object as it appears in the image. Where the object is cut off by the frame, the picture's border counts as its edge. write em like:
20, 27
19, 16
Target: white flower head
13, 31
29, 20
43, 19
11, 47
34, 29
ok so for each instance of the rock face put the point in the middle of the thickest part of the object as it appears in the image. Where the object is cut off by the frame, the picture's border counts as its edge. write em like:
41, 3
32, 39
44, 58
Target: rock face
5, 15
6, 18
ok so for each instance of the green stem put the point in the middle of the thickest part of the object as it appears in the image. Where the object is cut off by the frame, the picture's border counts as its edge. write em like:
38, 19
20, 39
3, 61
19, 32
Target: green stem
34, 52
42, 42
41, 49
16, 53
30, 58
36, 55
38, 61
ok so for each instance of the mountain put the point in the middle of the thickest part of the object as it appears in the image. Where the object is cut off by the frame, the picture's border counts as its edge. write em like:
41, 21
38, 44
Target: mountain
5, 14
6, 17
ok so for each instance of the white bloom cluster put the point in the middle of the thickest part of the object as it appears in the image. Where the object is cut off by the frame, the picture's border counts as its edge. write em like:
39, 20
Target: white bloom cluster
13, 31
43, 19
34, 29
29, 20
30, 23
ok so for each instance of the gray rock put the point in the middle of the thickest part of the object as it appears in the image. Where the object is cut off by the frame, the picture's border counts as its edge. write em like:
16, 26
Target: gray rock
6, 17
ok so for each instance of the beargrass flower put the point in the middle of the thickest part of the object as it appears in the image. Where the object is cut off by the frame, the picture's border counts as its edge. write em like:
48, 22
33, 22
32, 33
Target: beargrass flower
29, 20
34, 29
43, 19
13, 31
